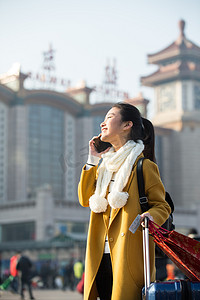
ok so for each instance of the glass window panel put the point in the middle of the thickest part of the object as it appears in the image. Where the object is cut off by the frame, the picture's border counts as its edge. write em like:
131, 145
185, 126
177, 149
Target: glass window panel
46, 141
18, 232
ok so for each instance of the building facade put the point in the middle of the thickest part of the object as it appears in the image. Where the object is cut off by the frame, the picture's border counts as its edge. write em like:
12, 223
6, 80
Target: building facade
177, 119
44, 144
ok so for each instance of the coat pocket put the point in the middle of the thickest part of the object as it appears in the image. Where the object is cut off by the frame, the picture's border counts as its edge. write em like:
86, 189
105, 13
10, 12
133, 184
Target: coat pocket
135, 257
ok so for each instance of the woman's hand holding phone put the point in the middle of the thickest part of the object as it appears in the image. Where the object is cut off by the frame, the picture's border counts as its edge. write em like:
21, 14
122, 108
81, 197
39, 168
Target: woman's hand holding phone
97, 147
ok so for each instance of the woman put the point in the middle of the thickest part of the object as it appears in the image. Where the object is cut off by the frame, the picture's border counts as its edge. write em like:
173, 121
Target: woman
114, 256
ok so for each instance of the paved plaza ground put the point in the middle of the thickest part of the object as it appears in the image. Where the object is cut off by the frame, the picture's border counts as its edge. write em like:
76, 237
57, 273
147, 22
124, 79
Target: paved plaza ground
43, 295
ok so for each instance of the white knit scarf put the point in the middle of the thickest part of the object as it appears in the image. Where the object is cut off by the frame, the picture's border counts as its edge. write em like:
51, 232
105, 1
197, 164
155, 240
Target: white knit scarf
121, 163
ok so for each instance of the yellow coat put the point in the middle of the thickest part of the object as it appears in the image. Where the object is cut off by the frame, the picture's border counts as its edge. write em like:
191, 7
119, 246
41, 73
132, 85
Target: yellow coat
125, 248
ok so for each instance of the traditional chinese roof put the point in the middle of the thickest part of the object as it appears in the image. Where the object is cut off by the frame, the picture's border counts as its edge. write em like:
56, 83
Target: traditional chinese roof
180, 48
180, 60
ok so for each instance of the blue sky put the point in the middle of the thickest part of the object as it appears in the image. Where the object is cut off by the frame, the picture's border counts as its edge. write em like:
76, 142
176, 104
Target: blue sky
87, 33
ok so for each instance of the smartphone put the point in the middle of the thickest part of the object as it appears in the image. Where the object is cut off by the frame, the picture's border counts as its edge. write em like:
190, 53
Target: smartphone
100, 145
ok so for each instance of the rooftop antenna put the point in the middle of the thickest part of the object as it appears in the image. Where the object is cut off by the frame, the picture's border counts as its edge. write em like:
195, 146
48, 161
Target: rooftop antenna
46, 77
108, 91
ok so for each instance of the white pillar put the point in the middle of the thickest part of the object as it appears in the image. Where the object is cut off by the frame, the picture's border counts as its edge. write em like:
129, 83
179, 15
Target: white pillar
45, 211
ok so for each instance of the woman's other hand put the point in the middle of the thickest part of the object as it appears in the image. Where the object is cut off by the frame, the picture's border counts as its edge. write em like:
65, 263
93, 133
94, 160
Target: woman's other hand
146, 214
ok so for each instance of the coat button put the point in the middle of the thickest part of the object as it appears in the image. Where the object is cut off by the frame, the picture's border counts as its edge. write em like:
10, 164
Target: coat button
111, 239
122, 234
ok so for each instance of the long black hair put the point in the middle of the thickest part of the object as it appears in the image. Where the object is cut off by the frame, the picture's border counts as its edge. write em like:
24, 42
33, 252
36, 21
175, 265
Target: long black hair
142, 128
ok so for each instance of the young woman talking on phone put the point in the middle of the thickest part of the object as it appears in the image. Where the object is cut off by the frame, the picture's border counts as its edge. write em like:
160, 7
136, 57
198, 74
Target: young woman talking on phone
114, 256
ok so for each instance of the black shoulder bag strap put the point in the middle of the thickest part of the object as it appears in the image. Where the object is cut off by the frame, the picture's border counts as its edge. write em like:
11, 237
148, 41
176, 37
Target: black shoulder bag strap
143, 199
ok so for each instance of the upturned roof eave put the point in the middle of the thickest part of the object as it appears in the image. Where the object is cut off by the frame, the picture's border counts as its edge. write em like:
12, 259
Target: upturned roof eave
180, 47
158, 78
161, 57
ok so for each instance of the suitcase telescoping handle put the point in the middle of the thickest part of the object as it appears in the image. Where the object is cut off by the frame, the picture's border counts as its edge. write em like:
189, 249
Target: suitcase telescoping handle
145, 233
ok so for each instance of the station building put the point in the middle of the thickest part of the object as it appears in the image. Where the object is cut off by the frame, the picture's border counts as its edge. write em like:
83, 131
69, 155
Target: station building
44, 138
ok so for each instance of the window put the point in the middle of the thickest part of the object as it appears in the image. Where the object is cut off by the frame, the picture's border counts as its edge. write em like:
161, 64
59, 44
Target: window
71, 227
46, 142
18, 232
197, 97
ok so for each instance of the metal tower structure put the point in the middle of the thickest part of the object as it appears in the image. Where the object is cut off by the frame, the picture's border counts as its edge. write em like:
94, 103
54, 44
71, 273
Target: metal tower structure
108, 91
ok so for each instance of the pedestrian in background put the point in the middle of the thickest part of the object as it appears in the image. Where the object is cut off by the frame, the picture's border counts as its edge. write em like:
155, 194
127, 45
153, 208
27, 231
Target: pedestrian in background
13, 271
69, 276
78, 271
193, 233
45, 273
24, 266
